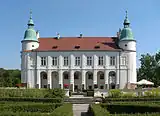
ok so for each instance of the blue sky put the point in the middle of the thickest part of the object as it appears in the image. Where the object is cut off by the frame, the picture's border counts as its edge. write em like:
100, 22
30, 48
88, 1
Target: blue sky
72, 17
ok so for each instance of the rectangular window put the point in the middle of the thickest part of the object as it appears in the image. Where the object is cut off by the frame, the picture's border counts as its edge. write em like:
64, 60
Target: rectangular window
100, 60
77, 61
123, 60
65, 61
112, 60
54, 61
43, 61
89, 61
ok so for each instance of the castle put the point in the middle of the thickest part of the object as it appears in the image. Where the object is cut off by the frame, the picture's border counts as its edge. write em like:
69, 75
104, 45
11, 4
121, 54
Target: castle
78, 62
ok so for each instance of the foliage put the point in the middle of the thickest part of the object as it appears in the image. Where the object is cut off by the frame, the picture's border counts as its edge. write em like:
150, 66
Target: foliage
97, 110
64, 110
32, 93
115, 93
16, 99
137, 114
29, 107
9, 78
128, 95
152, 93
131, 108
150, 68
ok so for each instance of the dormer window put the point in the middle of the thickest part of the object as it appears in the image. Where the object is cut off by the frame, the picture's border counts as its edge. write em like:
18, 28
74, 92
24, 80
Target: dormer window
54, 47
77, 46
97, 46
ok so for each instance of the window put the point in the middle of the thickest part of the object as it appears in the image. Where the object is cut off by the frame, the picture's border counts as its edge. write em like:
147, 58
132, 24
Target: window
43, 61
123, 60
54, 61
77, 61
32, 45
101, 76
100, 60
101, 87
65, 61
112, 60
32, 62
89, 61
90, 76
66, 76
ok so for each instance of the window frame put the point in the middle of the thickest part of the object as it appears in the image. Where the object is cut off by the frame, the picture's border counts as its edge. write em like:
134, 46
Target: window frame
43, 61
112, 60
101, 60
77, 61
54, 61
65, 61
89, 60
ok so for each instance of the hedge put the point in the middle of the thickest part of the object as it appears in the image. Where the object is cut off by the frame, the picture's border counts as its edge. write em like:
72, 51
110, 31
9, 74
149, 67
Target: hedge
64, 110
131, 108
132, 99
16, 99
97, 110
32, 93
29, 107
137, 114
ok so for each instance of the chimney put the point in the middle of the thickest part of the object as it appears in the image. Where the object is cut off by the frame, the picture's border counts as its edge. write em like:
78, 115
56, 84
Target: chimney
58, 36
80, 35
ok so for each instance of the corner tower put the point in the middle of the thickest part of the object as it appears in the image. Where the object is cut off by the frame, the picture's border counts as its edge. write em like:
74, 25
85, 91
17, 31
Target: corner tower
128, 44
30, 40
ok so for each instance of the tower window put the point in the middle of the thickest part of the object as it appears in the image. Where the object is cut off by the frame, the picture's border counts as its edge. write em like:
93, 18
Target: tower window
123, 60
125, 45
32, 45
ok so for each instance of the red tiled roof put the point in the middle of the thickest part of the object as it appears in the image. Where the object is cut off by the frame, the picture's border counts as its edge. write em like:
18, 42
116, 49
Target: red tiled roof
77, 43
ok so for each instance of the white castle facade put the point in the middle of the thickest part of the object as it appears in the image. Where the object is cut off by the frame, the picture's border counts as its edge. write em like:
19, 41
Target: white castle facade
78, 62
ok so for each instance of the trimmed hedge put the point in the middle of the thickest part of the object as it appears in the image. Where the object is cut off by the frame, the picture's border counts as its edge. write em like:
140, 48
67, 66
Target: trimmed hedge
131, 99
131, 108
32, 93
64, 110
138, 114
29, 107
97, 110
16, 99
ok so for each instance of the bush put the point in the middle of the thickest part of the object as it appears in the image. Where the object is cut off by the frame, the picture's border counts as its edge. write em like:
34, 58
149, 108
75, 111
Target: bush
115, 93
29, 107
128, 95
97, 110
152, 93
64, 110
131, 108
16, 99
32, 93
137, 114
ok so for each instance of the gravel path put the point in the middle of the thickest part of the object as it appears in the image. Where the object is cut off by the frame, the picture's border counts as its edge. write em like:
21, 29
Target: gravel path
80, 109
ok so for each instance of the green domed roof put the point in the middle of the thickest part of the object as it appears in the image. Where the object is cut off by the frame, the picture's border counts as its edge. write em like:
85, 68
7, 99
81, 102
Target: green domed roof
126, 33
30, 33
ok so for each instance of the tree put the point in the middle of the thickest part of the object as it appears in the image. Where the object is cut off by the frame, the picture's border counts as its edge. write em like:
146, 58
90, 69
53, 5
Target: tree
150, 68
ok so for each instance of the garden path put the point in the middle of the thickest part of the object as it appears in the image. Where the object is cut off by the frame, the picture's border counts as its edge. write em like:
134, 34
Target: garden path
80, 109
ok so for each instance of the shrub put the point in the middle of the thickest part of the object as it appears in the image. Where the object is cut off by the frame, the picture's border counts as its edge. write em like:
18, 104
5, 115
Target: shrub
16, 99
131, 108
64, 110
97, 110
152, 93
32, 93
128, 95
29, 107
115, 93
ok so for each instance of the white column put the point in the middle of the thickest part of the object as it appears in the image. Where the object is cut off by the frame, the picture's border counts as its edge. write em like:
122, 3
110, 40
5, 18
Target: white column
83, 61
95, 77
38, 79
72, 79
49, 79
61, 78
60, 62
84, 78
117, 78
106, 73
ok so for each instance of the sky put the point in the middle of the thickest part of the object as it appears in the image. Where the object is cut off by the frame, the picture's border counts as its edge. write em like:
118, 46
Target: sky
72, 17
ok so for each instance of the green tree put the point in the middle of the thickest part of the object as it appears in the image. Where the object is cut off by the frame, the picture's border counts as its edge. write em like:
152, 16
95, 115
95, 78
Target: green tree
150, 68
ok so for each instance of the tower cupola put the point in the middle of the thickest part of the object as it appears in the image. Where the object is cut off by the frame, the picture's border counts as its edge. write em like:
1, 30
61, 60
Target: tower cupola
126, 33
30, 33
